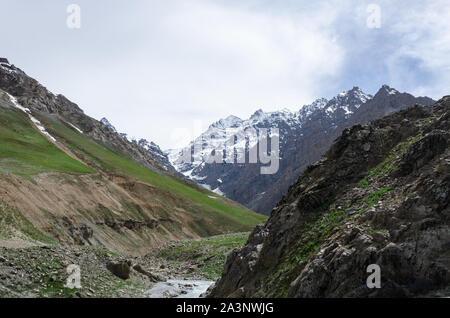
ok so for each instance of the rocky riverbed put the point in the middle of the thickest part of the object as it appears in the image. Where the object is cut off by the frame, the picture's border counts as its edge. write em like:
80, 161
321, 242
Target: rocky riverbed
176, 269
179, 288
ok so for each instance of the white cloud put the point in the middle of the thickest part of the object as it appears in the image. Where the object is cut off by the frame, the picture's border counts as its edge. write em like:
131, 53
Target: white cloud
421, 59
218, 60
155, 67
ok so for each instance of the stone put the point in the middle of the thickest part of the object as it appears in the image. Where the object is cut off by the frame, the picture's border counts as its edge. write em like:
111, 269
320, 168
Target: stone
120, 269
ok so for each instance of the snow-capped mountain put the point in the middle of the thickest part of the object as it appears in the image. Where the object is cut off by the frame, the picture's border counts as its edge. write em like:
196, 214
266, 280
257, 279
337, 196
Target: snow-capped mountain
218, 134
304, 136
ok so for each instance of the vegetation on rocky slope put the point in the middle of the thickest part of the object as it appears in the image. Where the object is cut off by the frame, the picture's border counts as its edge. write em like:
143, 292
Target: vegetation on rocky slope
381, 196
205, 257
14, 225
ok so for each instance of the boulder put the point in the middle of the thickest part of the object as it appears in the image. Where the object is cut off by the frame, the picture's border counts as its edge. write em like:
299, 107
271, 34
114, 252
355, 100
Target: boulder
120, 269
154, 278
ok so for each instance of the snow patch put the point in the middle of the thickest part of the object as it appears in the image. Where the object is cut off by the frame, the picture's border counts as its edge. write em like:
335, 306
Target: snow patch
76, 128
27, 111
217, 191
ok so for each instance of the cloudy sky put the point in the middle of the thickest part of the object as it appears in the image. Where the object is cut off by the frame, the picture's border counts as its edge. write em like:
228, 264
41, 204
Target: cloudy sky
156, 68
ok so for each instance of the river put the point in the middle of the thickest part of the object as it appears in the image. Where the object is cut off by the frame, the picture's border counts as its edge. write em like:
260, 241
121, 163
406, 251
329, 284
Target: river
176, 288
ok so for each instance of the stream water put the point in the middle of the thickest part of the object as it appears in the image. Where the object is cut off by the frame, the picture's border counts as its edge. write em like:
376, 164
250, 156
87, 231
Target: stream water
175, 288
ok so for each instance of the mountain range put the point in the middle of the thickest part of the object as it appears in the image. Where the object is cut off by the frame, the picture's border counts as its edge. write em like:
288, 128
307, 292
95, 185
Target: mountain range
305, 135
362, 182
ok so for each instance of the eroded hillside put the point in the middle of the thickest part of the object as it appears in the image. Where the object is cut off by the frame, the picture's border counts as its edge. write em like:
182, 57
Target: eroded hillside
65, 178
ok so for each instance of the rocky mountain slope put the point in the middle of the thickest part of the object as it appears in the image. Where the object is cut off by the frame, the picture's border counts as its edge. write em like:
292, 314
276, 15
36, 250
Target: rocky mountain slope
304, 137
151, 148
380, 195
31, 94
67, 178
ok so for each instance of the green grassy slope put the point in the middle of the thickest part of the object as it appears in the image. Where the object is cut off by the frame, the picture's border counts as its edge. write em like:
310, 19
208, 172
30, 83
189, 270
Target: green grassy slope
25, 152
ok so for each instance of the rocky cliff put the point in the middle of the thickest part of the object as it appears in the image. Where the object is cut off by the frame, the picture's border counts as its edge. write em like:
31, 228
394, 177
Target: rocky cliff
380, 195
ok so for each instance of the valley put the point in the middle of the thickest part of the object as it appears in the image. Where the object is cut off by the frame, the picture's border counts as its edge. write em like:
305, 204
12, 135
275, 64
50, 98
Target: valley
41, 270
80, 189
74, 192
363, 180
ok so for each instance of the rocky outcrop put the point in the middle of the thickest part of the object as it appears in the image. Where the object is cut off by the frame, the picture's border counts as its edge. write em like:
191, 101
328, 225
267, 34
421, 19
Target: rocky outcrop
380, 195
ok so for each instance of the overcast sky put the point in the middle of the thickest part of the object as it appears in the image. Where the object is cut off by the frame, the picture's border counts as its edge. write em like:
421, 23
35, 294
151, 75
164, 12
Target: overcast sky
154, 67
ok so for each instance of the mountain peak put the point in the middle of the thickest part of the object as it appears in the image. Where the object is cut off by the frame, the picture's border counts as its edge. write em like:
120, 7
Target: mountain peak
320, 102
386, 89
348, 101
232, 118
354, 92
257, 115
228, 122
145, 143
307, 110
107, 124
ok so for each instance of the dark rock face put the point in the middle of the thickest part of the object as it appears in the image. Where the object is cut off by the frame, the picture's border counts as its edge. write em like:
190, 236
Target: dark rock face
305, 137
422, 152
380, 195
